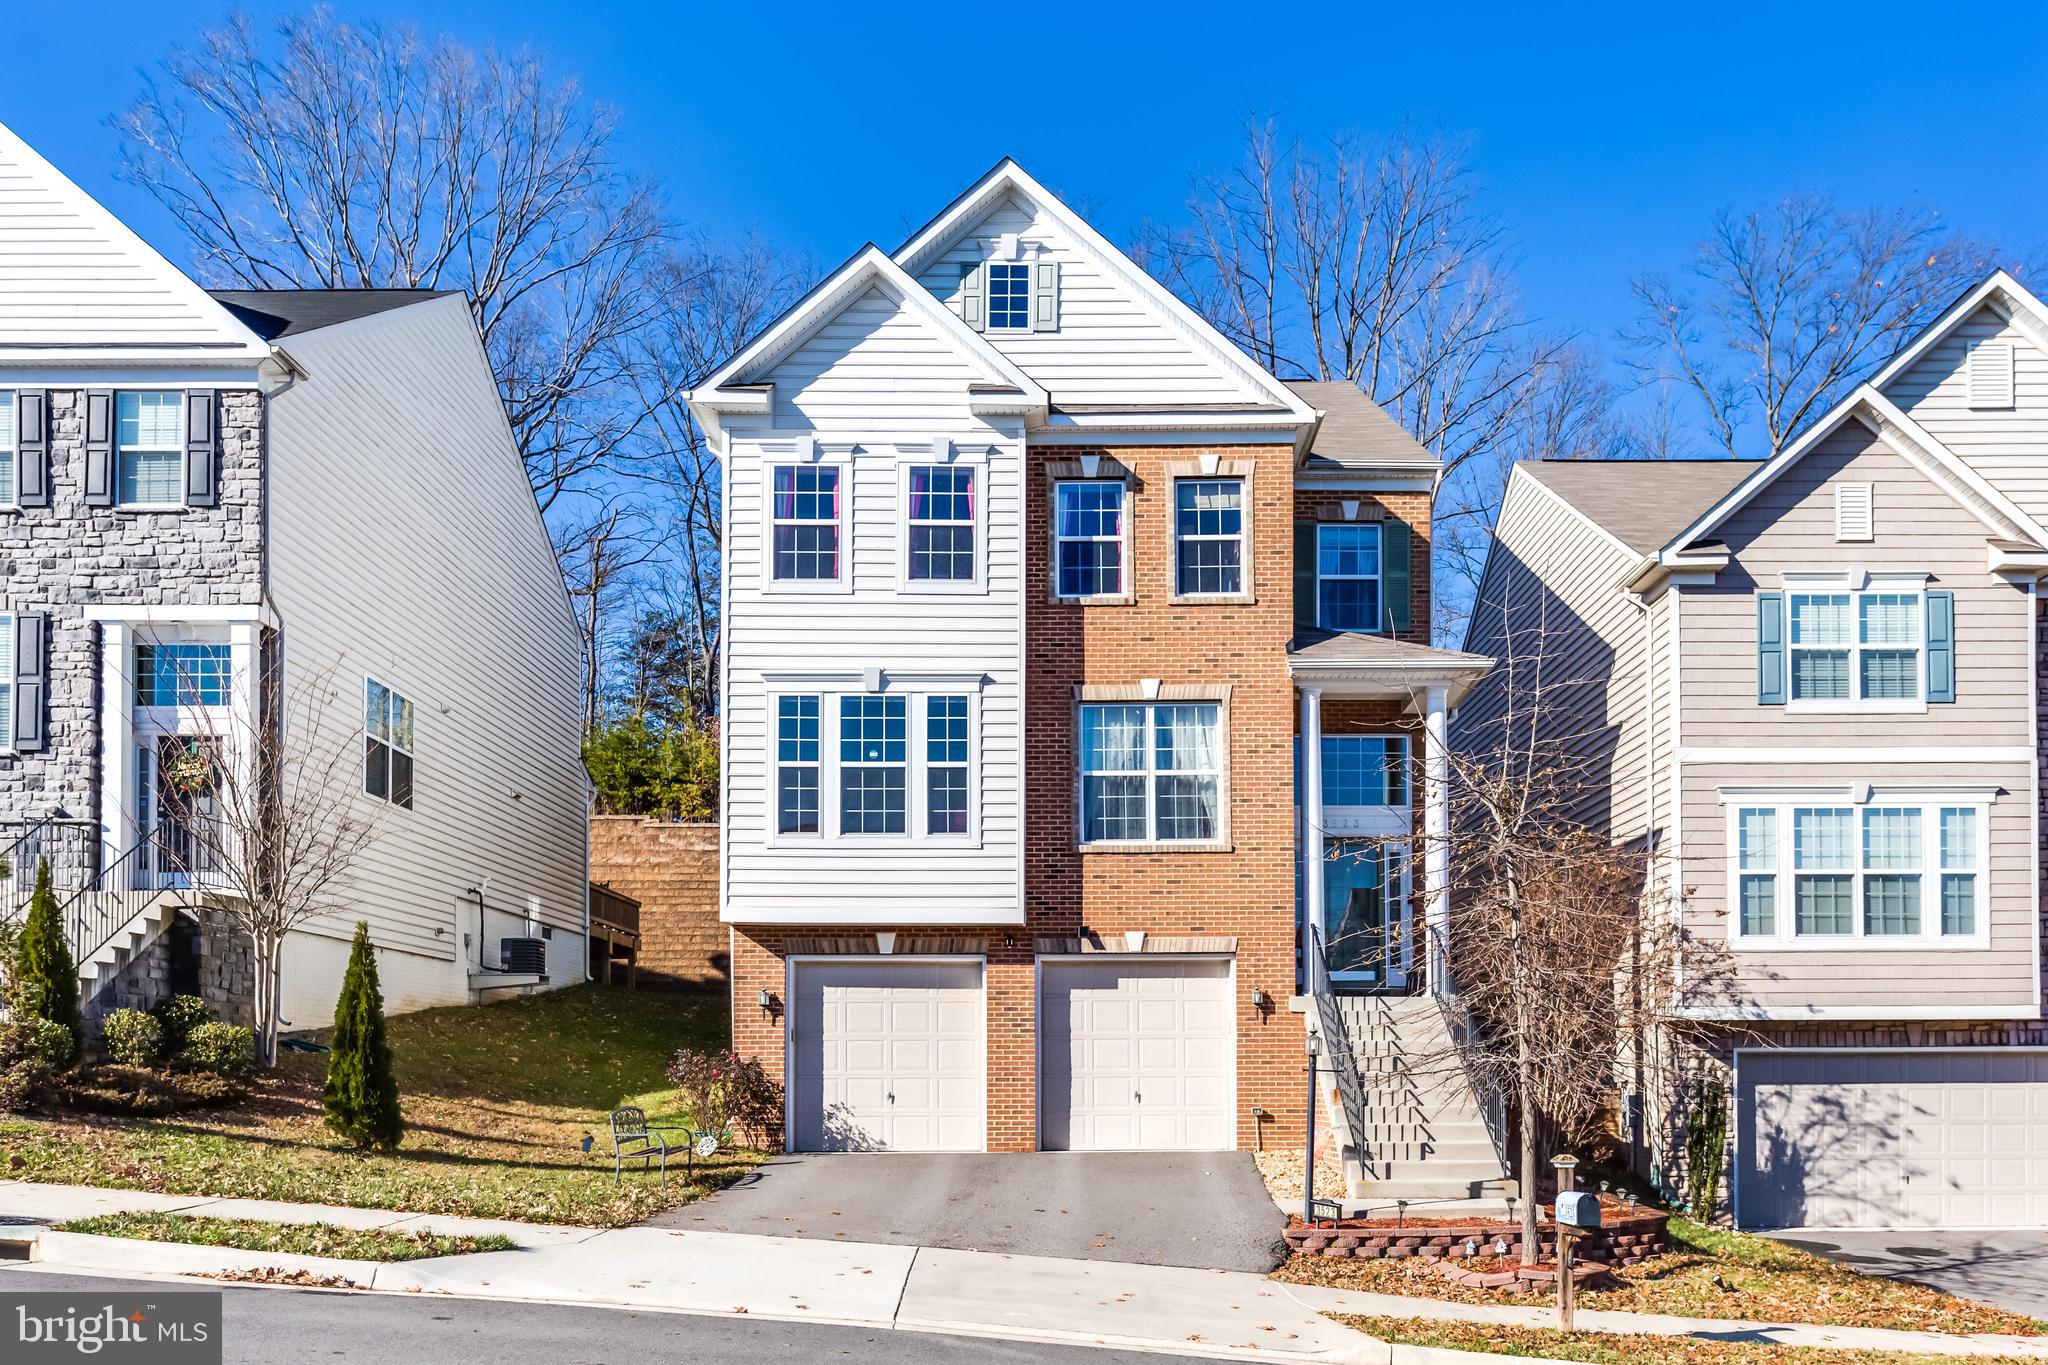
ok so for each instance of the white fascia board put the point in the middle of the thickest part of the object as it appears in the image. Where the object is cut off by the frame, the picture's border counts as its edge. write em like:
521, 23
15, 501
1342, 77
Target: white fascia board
868, 266
932, 239
885, 915
1791, 1014
1998, 289
1946, 460
41, 372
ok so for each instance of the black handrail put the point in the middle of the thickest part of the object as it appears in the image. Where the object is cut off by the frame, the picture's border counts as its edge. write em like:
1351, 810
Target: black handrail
180, 852
72, 848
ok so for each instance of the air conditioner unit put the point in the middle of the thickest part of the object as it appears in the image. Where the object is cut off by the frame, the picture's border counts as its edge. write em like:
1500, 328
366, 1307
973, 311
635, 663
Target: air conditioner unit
524, 956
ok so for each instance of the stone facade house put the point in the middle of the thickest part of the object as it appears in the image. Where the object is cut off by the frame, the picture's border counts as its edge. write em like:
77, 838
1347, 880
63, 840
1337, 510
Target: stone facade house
1034, 586
226, 515
1810, 688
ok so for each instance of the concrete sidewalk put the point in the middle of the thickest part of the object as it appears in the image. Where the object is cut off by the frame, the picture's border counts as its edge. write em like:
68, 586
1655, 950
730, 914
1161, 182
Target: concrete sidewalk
1025, 1298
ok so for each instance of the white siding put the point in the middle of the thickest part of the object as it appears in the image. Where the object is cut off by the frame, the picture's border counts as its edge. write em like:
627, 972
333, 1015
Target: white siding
405, 545
2008, 446
73, 275
1110, 346
873, 373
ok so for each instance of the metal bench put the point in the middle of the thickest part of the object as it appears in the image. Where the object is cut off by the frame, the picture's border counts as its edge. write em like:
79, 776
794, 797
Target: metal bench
633, 1140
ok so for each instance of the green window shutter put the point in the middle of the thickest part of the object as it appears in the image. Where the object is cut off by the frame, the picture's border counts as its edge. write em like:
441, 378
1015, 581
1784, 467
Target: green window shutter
1941, 646
1397, 578
973, 298
1304, 575
1770, 648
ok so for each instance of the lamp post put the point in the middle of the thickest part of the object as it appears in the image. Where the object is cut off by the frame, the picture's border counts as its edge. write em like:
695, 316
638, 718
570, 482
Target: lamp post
1313, 1044
1567, 1167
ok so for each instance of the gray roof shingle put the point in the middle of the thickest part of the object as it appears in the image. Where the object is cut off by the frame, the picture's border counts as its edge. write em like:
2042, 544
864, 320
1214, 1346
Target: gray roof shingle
1356, 432
276, 313
1642, 503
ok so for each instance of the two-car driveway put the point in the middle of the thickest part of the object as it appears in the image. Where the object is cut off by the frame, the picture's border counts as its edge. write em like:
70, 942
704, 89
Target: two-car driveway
1206, 1209
2009, 1269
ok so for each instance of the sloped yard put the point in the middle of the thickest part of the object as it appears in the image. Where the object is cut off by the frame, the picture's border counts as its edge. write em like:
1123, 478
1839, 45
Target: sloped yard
497, 1101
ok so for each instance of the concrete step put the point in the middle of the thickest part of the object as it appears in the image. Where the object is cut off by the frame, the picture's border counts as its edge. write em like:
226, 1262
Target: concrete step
1417, 1190
1478, 1172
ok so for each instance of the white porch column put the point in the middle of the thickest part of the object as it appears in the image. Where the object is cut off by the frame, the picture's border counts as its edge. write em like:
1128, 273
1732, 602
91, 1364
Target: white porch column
1312, 837
117, 740
245, 715
1436, 830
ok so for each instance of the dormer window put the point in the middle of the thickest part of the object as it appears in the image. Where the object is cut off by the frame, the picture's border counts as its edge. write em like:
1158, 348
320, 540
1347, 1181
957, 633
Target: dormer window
1009, 297
1348, 576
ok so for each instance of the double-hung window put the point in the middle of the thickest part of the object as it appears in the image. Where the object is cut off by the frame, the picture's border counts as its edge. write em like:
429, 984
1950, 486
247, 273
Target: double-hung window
874, 756
796, 765
806, 523
1860, 646
1151, 772
1872, 872
387, 745
1208, 537
945, 765
941, 520
149, 431
1088, 539
1009, 297
182, 674
9, 434
1348, 576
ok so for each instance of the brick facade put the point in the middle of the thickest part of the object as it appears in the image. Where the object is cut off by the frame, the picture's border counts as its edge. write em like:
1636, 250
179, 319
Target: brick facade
1327, 504
672, 870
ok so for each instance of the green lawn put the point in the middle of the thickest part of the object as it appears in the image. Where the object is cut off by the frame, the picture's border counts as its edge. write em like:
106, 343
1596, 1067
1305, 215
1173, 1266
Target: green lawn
303, 1239
1617, 1348
497, 1100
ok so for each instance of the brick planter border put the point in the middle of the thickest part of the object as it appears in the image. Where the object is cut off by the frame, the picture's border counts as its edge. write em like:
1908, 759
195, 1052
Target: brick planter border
1623, 1242
1586, 1276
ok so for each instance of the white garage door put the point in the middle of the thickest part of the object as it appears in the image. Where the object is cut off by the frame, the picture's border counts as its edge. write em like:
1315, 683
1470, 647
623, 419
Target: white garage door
1135, 1055
887, 1056
1893, 1139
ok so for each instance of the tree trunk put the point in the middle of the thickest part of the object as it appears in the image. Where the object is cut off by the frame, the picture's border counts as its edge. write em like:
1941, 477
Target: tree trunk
1525, 1086
269, 964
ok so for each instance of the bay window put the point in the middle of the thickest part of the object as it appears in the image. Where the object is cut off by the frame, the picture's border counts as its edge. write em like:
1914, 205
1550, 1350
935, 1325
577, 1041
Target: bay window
1151, 772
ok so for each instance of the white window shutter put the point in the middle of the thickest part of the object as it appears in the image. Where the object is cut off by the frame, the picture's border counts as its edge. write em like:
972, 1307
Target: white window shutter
1853, 519
1990, 374
1045, 296
973, 296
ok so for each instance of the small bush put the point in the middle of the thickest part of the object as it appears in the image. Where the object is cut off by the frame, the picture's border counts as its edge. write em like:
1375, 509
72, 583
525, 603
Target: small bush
226, 1050
1706, 1135
143, 1092
361, 1093
132, 1038
724, 1089
178, 1015
32, 1051
43, 980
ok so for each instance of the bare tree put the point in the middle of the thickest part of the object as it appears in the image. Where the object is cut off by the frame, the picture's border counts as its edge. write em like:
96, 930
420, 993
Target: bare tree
353, 155
715, 300
1783, 307
601, 555
263, 814
1372, 262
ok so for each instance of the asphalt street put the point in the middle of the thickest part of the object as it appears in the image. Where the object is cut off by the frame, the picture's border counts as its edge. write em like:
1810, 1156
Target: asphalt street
295, 1326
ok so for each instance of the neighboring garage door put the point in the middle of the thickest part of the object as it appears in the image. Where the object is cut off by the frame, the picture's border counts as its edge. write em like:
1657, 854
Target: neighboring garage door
1135, 1055
1893, 1139
887, 1056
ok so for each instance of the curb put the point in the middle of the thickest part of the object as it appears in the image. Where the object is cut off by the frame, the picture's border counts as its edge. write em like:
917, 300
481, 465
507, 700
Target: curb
86, 1251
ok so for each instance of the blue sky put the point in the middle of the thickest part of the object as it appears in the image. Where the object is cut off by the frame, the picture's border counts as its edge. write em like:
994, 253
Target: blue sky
1605, 141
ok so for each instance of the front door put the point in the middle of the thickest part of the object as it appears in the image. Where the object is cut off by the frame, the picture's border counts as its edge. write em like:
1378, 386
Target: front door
1365, 911
177, 810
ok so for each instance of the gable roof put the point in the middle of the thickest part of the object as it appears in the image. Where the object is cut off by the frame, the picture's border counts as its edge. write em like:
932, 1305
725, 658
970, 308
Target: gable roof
83, 287
1356, 433
1641, 503
1006, 390
276, 313
2000, 292
1007, 178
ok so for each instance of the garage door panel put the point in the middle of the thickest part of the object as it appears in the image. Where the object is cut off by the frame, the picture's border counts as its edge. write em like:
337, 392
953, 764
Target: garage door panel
1902, 1139
1135, 1055
887, 1056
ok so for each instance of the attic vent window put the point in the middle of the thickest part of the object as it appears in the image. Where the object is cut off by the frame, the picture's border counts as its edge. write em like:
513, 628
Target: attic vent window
1990, 374
1852, 511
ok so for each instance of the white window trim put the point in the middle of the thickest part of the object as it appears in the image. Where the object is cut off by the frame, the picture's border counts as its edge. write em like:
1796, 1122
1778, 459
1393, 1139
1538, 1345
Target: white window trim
114, 474
1126, 589
412, 751
781, 455
916, 761
1855, 587
988, 293
1379, 579
1400, 866
1243, 478
10, 442
975, 462
1221, 841
1857, 797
